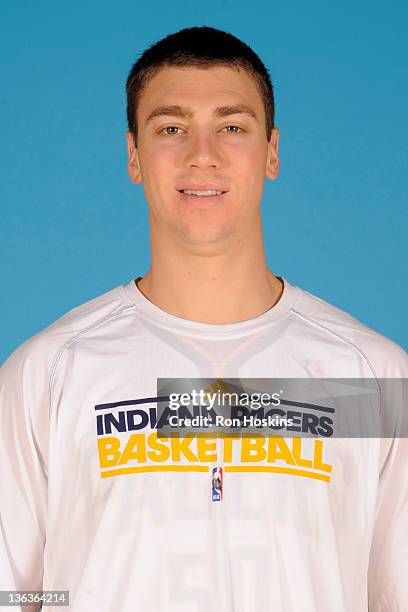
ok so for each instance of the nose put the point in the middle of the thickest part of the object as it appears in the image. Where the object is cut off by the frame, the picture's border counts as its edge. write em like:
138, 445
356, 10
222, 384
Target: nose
202, 151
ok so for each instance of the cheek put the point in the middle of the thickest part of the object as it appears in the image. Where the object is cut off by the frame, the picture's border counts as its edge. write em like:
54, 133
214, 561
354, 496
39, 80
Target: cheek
158, 170
249, 167
249, 157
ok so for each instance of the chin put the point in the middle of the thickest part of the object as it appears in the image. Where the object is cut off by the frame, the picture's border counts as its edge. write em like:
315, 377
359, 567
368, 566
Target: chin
205, 240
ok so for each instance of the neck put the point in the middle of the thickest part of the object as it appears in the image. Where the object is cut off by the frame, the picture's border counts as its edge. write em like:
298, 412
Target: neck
221, 288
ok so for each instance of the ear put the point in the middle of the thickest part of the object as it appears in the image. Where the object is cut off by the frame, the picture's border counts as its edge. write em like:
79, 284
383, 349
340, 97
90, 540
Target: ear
134, 171
272, 162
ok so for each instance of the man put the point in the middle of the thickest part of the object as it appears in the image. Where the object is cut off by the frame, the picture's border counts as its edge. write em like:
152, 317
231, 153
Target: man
93, 499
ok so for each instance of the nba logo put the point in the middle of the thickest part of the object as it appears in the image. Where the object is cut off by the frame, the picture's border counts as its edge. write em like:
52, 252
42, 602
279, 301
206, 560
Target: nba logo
216, 484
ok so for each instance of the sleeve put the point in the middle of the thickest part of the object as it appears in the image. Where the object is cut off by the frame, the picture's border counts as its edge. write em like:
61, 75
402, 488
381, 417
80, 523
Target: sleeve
24, 420
387, 580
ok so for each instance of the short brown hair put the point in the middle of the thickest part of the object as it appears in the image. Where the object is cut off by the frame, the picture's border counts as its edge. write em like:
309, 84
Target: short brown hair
201, 47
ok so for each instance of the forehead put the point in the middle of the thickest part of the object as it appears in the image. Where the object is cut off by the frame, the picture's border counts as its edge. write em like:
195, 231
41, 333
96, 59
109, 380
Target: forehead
200, 87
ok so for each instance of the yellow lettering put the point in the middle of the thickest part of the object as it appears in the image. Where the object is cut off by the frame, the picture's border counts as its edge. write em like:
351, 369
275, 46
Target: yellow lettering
159, 451
109, 452
318, 458
297, 452
228, 440
206, 448
181, 446
134, 449
278, 449
252, 448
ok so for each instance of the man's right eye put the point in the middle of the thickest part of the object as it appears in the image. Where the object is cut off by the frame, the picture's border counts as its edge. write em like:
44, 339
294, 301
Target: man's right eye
171, 129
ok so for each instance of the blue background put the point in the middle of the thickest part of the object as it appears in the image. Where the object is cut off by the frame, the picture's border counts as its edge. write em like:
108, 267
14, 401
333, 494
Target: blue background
72, 224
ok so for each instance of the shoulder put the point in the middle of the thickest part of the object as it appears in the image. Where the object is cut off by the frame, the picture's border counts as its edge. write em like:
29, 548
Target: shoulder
42, 349
338, 328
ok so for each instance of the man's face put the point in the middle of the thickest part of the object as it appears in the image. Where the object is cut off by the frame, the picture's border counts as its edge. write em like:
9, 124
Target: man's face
202, 130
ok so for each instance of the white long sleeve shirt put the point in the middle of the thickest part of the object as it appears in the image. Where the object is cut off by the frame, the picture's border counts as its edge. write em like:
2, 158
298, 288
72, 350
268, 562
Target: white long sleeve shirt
124, 520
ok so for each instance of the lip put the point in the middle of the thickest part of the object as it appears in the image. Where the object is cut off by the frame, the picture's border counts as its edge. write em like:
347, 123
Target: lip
203, 187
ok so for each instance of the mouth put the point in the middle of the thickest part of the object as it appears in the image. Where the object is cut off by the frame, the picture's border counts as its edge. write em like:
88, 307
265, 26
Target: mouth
201, 195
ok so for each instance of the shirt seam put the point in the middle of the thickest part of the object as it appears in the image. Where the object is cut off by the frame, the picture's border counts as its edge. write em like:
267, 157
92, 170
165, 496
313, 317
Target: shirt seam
340, 337
115, 313
349, 343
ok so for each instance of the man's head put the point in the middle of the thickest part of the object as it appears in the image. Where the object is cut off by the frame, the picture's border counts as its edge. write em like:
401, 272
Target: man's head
201, 117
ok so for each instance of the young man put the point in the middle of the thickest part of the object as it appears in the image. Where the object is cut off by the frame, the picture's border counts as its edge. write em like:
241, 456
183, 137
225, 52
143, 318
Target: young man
93, 500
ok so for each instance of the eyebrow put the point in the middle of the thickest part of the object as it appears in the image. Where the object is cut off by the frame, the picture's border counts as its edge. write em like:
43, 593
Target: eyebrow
237, 109
186, 113
173, 111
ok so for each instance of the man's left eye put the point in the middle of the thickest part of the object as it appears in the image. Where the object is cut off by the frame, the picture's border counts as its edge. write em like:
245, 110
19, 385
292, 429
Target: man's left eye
233, 128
